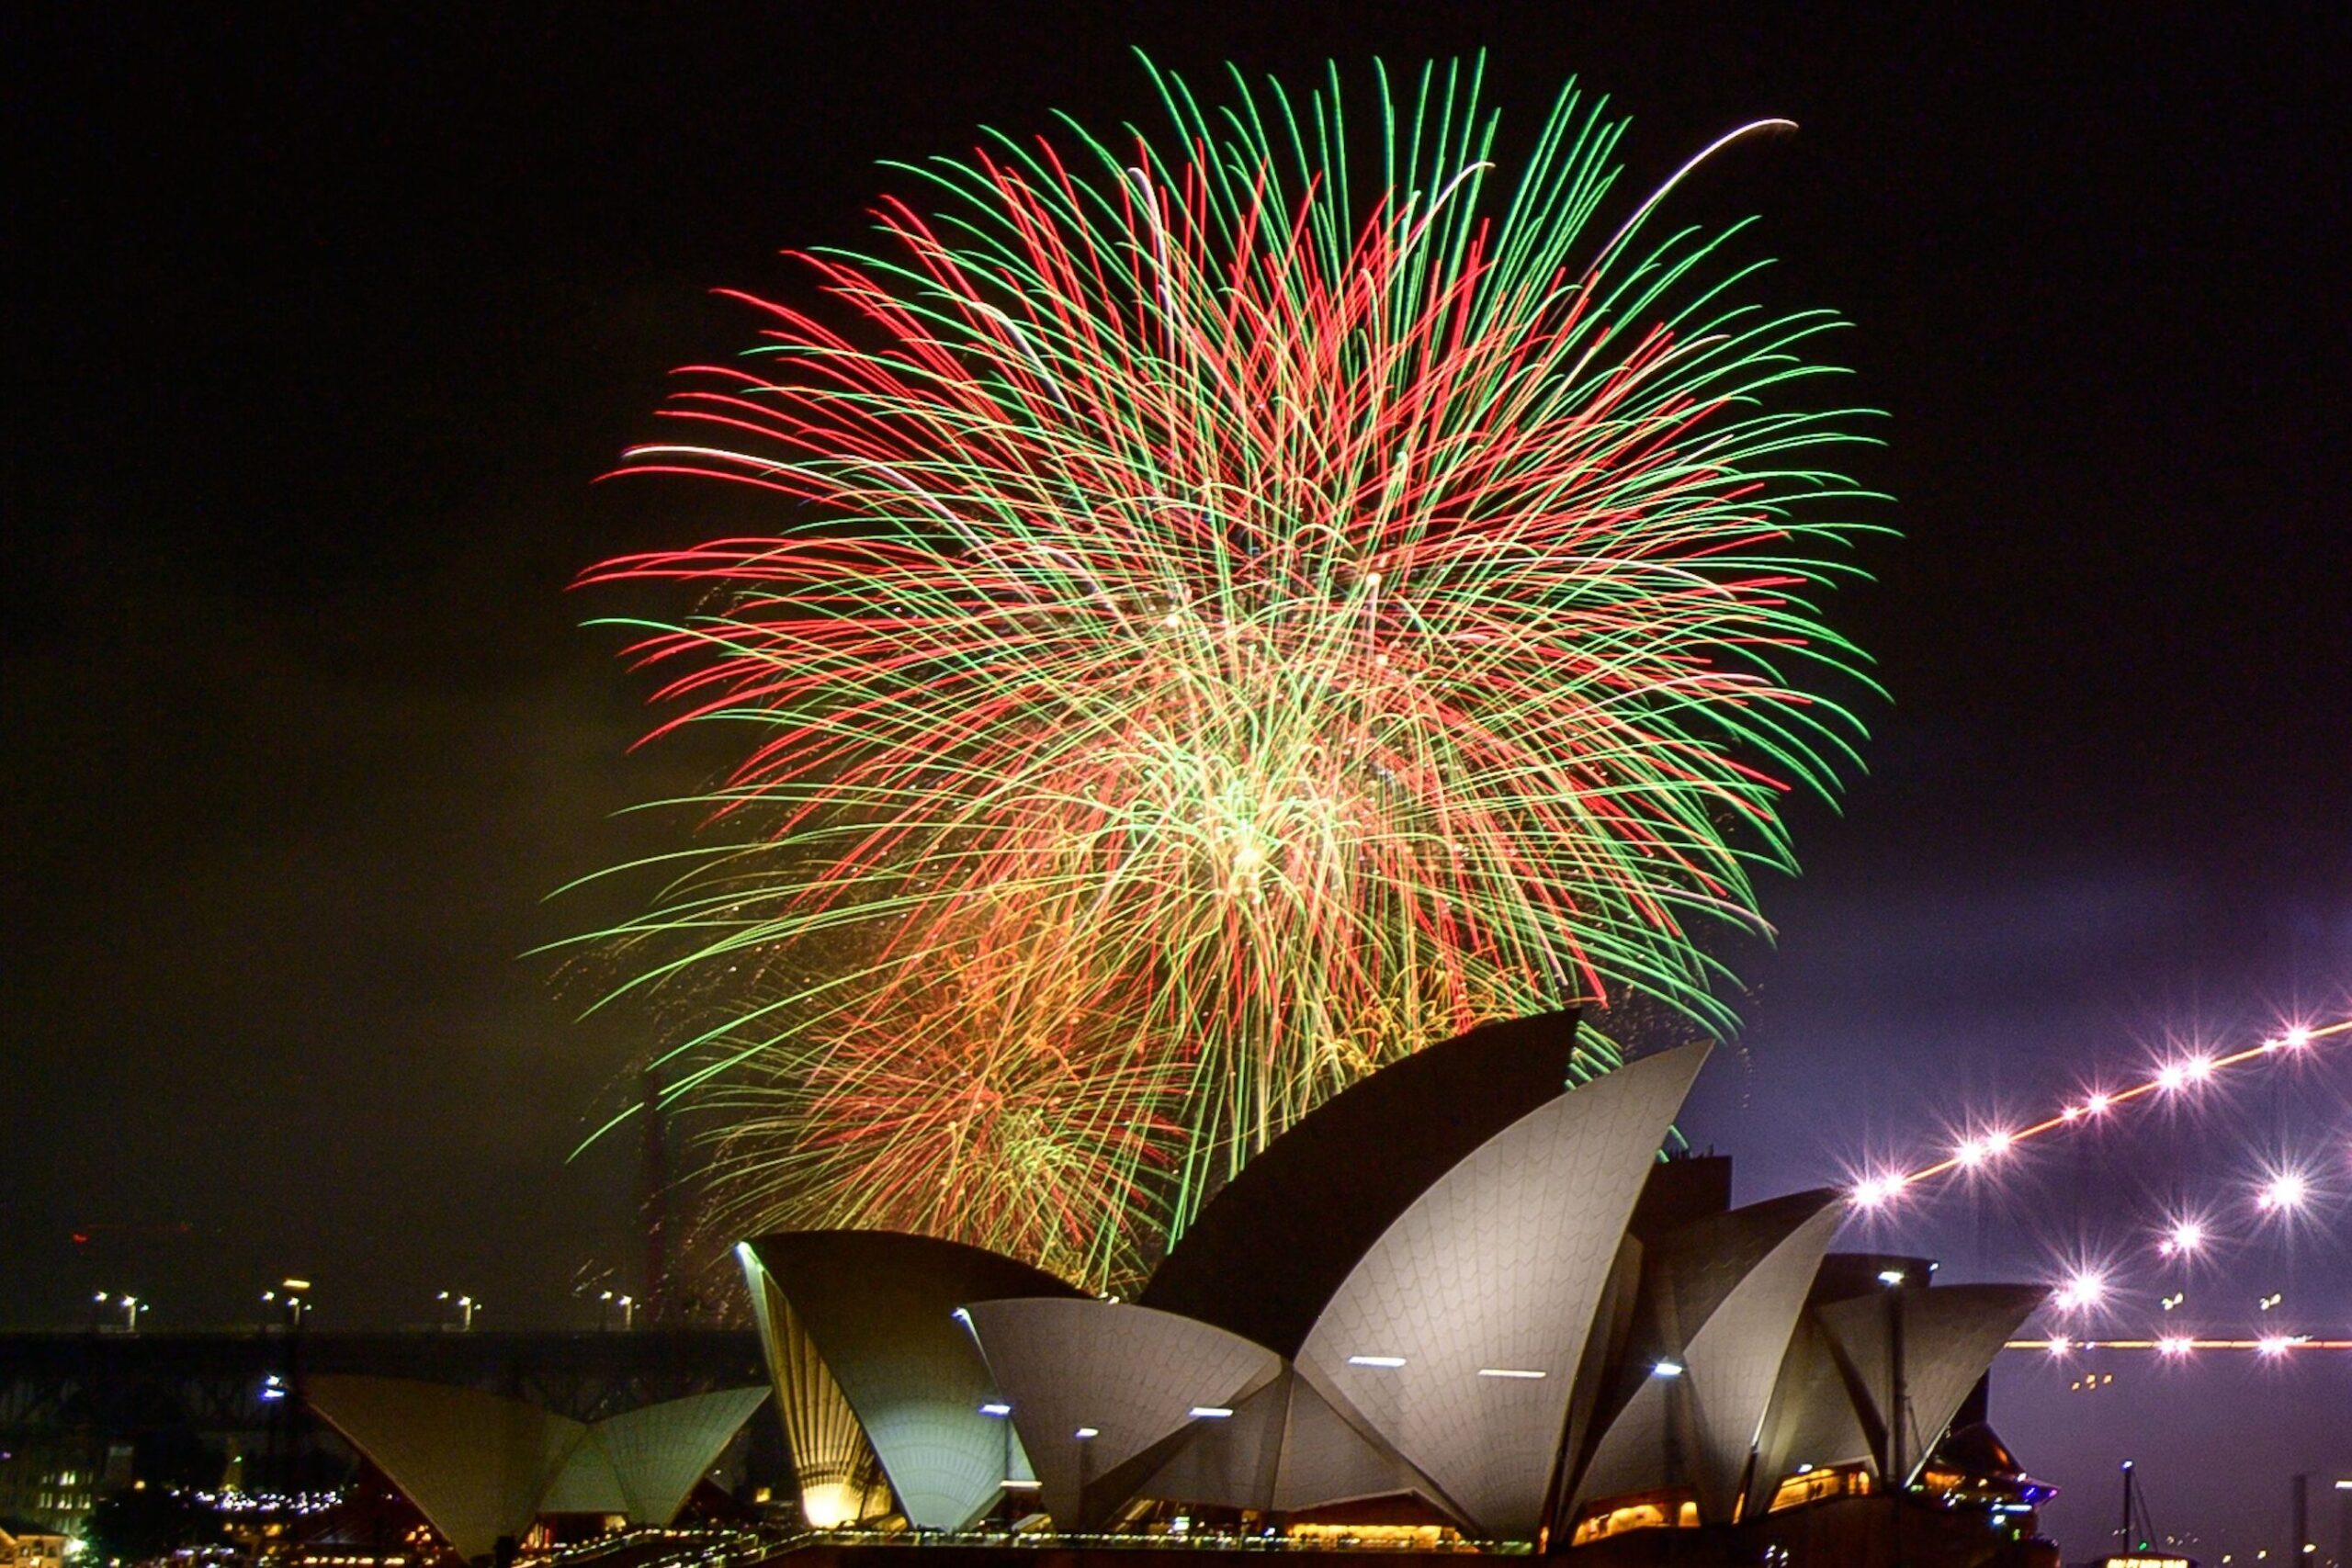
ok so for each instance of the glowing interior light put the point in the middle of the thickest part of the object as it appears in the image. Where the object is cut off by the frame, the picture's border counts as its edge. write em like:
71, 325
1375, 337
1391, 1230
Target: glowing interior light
2096, 1103
2274, 1344
1891, 1276
1969, 1152
996, 1407
2295, 1039
2199, 1068
2188, 1236
2060, 1345
1209, 1412
1507, 1372
2173, 1345
1089, 1432
1668, 1369
2172, 1078
1375, 1361
1019, 1483
1997, 1141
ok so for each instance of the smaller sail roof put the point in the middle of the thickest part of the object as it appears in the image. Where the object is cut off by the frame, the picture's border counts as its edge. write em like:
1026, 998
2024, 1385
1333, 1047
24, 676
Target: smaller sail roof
880, 1308
479, 1466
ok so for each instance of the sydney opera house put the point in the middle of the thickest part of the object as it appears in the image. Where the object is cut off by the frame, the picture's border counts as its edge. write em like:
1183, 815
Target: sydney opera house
1460, 1301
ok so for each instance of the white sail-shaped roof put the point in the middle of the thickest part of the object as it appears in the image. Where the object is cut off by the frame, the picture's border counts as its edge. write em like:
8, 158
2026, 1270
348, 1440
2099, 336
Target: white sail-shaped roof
1812, 1420
475, 1464
657, 1452
1724, 1297
878, 1306
1951, 1334
1457, 1335
1138, 1381
479, 1466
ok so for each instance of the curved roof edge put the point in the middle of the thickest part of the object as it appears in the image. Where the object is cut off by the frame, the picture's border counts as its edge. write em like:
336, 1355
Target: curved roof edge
1274, 1245
1130, 1378
1459, 1334
878, 1306
1721, 1299
475, 1464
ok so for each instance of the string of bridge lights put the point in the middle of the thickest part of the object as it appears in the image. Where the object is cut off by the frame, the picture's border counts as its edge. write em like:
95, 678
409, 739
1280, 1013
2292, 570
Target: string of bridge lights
2285, 1189
2175, 1344
2284, 1192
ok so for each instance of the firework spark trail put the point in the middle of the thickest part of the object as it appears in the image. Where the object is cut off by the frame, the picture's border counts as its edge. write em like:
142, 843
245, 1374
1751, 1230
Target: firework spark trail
1224, 638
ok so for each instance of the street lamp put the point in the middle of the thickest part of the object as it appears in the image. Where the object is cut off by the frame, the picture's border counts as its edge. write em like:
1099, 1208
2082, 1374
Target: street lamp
289, 1297
132, 1307
629, 1310
464, 1306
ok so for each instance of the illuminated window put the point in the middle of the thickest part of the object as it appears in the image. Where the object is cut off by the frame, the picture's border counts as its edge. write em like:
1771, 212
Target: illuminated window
1811, 1486
1639, 1511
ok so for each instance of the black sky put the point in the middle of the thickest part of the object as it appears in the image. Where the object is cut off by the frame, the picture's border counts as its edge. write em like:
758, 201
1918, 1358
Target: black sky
320, 330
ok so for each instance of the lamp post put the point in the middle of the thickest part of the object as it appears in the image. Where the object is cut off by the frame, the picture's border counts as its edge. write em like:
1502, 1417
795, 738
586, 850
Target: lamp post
1899, 1395
464, 1307
1003, 1413
1084, 1436
291, 1299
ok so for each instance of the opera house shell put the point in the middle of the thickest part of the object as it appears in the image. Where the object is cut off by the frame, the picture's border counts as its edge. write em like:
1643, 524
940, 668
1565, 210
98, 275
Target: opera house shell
1460, 1286
481, 1467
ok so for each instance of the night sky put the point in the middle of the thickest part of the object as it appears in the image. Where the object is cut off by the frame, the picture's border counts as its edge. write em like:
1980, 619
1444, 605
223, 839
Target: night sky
321, 332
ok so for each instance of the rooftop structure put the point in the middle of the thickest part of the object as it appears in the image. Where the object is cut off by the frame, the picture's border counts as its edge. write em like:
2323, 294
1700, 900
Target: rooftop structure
479, 1466
1460, 1284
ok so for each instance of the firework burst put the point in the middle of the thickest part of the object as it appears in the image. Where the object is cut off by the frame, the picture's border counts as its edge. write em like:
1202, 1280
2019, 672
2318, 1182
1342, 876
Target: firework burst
1224, 629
